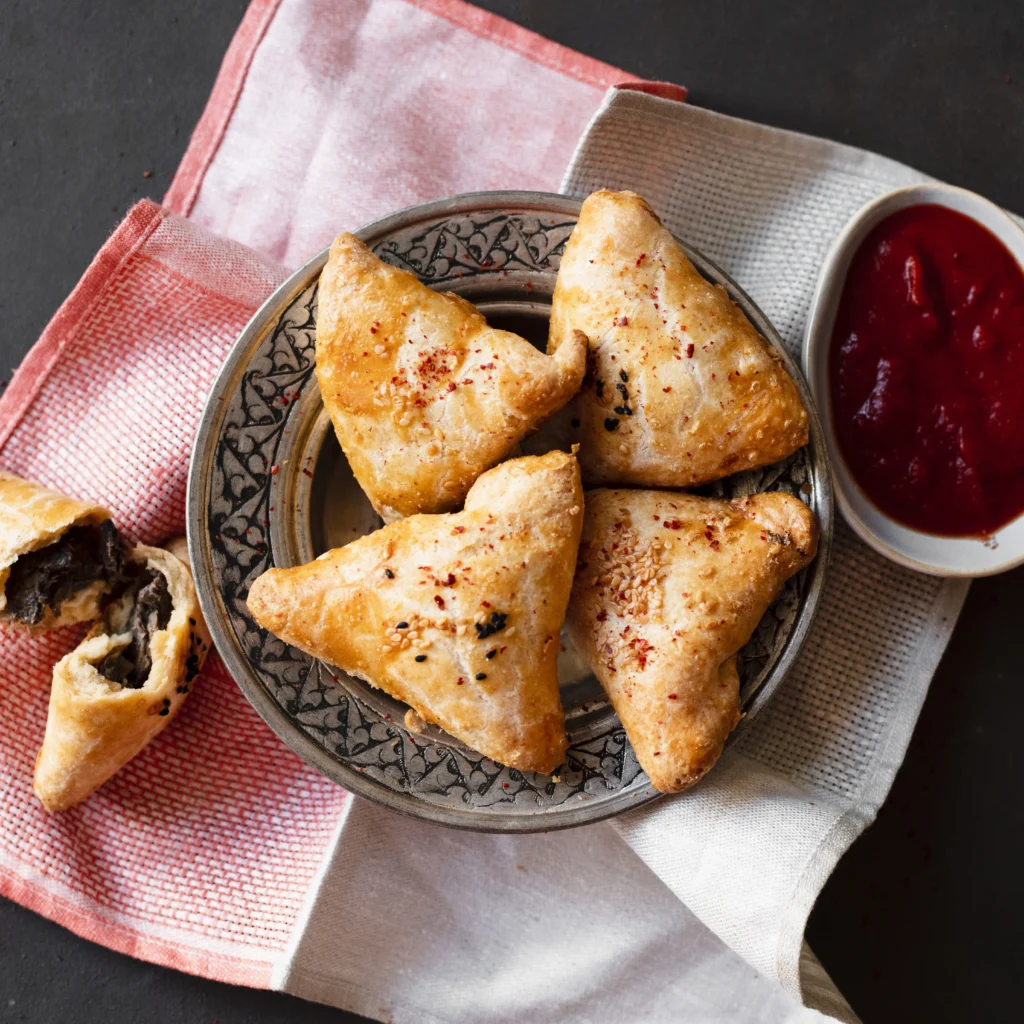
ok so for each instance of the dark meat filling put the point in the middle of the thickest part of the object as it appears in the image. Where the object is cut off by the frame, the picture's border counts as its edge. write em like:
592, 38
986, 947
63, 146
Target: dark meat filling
50, 576
151, 611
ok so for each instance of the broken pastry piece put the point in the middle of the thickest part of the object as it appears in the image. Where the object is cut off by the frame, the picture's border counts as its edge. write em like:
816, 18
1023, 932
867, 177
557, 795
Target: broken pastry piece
423, 394
458, 615
125, 681
58, 556
680, 388
668, 588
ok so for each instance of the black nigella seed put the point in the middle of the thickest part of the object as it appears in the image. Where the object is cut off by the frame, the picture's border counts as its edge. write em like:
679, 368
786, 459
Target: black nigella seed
167, 700
191, 622
481, 675
165, 711
623, 376
623, 390
421, 657
599, 388
610, 423
622, 410
390, 575
491, 653
575, 423
629, 412
486, 629
402, 625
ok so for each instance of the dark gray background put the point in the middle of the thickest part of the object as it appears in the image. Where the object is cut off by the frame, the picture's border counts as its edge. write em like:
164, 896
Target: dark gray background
921, 921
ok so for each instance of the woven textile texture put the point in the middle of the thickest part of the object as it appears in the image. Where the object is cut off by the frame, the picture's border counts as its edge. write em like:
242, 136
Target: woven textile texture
352, 110
200, 852
750, 848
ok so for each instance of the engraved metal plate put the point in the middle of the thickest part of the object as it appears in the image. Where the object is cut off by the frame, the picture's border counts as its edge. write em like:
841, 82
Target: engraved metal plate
270, 486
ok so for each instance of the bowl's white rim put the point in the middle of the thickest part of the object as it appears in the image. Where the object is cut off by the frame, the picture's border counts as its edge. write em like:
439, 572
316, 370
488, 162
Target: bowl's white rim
814, 357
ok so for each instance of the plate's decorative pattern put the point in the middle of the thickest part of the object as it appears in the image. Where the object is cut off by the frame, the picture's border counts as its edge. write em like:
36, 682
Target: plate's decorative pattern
257, 407
459, 247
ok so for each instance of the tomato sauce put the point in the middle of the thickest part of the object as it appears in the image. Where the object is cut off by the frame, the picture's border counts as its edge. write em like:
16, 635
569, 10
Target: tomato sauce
926, 370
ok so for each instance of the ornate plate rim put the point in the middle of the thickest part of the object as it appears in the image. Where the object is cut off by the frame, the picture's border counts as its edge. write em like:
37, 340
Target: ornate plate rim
239, 667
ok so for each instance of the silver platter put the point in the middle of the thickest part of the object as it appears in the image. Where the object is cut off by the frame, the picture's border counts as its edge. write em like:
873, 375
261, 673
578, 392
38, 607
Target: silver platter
269, 486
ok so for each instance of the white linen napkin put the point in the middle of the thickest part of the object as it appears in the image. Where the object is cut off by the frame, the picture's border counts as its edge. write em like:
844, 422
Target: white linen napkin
416, 924
749, 849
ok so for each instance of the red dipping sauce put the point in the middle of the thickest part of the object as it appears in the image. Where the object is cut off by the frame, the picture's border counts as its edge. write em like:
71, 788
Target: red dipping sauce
926, 372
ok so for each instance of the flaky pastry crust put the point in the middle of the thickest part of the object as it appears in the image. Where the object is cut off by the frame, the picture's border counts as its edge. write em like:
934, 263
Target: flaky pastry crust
33, 517
680, 388
458, 615
423, 394
668, 588
94, 727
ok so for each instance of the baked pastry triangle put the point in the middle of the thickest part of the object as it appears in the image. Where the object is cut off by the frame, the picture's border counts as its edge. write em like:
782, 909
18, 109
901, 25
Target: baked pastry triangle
125, 681
58, 556
424, 396
458, 615
680, 388
668, 588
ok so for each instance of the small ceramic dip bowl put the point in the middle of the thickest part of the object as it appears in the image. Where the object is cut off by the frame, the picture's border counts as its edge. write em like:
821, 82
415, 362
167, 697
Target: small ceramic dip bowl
938, 554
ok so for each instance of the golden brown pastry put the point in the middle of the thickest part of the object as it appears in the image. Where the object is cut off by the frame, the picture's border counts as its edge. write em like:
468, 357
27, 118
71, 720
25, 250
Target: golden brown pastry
457, 615
424, 396
57, 556
125, 681
668, 588
680, 388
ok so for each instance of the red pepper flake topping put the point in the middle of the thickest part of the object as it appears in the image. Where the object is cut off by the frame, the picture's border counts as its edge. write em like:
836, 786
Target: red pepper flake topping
459, 529
641, 650
666, 390
672, 696
689, 351
450, 581
641, 258
672, 524
602, 615
274, 470
439, 601
373, 330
